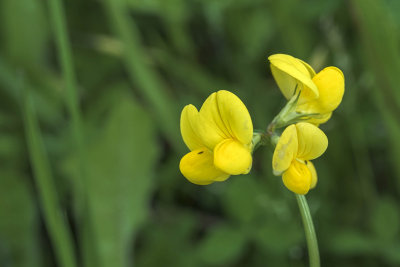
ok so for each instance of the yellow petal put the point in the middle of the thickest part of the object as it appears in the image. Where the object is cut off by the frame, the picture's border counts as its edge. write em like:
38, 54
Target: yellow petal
224, 116
288, 72
235, 116
232, 157
297, 178
208, 132
198, 167
210, 112
322, 119
312, 141
189, 118
285, 150
314, 176
330, 83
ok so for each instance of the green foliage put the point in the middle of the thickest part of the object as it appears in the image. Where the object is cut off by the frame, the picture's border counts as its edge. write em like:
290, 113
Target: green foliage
19, 226
24, 22
245, 208
110, 153
222, 246
385, 219
120, 180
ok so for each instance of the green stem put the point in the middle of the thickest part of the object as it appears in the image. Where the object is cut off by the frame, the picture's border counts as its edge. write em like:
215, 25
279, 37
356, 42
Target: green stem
60, 234
259, 139
309, 230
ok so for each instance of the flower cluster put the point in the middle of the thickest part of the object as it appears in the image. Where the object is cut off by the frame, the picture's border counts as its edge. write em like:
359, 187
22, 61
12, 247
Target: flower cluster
221, 139
312, 99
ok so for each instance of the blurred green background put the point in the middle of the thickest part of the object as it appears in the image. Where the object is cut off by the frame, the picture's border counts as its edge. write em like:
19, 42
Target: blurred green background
90, 144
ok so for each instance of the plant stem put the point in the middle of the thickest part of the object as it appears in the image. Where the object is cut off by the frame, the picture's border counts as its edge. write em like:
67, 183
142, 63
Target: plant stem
309, 230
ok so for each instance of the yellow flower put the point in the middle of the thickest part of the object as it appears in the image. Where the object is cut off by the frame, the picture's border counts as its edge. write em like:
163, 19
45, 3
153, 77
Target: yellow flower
321, 93
298, 144
219, 137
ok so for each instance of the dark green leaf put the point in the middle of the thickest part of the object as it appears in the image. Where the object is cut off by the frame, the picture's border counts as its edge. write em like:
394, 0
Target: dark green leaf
120, 180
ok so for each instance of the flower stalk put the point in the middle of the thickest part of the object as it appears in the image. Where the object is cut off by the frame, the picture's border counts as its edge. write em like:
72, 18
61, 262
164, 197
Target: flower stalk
309, 230
259, 139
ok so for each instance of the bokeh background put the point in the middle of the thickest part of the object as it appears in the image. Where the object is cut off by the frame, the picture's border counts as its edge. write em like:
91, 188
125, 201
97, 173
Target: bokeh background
90, 141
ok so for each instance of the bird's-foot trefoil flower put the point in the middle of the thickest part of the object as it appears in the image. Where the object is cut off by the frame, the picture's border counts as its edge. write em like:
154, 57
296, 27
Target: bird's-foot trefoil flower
219, 137
312, 96
298, 145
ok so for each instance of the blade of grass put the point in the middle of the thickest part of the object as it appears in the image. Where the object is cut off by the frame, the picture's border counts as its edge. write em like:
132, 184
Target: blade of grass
89, 244
380, 42
67, 66
141, 74
60, 234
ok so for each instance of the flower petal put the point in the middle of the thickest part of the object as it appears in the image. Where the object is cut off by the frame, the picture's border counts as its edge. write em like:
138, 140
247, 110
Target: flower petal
189, 118
285, 150
288, 72
330, 83
210, 111
235, 116
297, 178
314, 176
209, 126
312, 141
232, 157
209, 134
198, 167
321, 119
